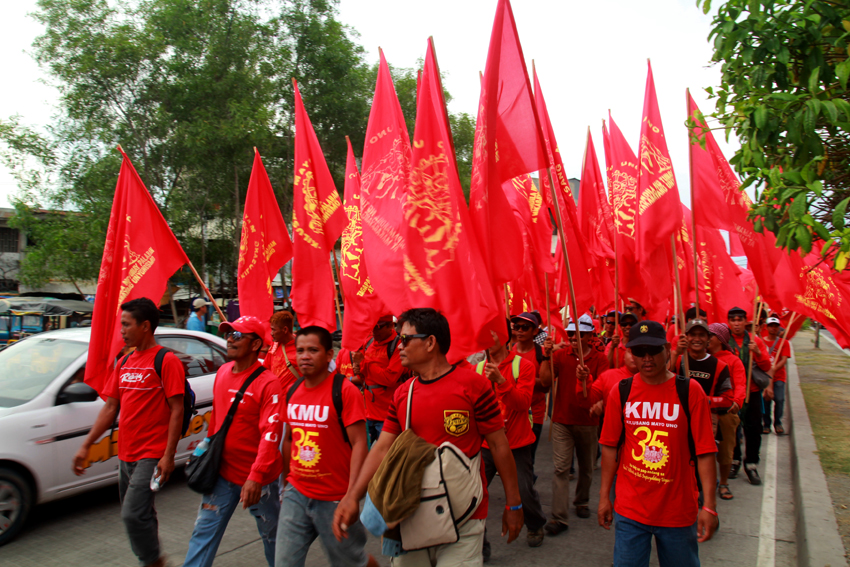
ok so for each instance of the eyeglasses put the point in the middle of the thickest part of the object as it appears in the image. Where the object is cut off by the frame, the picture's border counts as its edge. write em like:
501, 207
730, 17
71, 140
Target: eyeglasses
522, 327
404, 339
236, 335
643, 350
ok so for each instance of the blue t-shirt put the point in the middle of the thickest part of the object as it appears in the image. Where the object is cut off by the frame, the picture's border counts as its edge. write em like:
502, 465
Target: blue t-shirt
195, 323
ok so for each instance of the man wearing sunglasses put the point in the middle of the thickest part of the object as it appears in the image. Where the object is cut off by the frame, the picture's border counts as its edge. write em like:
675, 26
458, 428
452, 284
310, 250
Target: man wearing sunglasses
573, 426
377, 367
656, 485
609, 328
615, 350
251, 461
524, 327
448, 404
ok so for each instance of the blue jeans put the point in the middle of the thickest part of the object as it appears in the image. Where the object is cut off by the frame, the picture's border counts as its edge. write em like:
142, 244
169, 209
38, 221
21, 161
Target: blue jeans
215, 512
304, 519
677, 547
778, 405
373, 429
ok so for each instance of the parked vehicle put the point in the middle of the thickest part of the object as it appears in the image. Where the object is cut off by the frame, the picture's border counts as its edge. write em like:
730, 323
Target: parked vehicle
46, 410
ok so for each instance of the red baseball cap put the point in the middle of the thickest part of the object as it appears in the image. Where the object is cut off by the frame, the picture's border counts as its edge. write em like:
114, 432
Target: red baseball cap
246, 324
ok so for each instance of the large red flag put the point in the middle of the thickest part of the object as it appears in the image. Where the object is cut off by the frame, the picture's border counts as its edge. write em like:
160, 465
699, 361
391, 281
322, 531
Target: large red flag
720, 288
529, 206
720, 203
443, 267
363, 307
594, 212
265, 246
507, 144
139, 256
622, 165
317, 222
386, 174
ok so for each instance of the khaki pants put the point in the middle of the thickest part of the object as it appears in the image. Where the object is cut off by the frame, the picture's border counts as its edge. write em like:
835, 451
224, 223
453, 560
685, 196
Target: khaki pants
465, 552
727, 424
567, 439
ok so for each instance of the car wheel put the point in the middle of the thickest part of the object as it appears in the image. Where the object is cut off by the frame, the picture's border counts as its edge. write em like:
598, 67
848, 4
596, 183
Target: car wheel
15, 503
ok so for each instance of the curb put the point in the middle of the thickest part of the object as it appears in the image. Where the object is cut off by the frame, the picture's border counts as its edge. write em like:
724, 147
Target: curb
818, 541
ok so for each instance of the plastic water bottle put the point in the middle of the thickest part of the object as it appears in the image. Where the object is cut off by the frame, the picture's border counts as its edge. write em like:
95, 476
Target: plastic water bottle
201, 448
155, 485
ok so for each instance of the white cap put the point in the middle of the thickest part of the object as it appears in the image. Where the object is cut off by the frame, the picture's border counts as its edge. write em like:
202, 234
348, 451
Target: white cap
585, 324
772, 320
198, 303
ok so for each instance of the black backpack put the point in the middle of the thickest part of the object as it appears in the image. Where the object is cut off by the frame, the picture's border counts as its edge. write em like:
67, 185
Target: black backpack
336, 396
188, 394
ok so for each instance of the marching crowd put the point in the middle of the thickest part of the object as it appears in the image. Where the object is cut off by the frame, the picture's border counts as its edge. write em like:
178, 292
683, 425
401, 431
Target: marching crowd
397, 440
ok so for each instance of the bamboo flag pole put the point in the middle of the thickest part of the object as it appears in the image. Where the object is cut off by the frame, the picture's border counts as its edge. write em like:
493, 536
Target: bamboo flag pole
680, 316
783, 340
507, 303
693, 213
334, 277
207, 291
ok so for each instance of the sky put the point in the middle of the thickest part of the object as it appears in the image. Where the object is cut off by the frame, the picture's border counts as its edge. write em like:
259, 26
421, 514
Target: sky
590, 57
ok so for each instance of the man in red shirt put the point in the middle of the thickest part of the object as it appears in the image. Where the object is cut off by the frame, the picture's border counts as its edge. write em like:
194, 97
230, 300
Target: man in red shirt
323, 452
513, 379
652, 443
774, 395
448, 404
745, 344
616, 349
377, 367
727, 424
524, 327
610, 378
573, 426
151, 422
281, 356
250, 460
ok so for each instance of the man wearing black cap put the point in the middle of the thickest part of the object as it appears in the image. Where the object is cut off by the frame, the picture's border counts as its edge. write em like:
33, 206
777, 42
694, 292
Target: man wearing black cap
573, 426
609, 327
744, 344
656, 484
616, 349
711, 373
523, 329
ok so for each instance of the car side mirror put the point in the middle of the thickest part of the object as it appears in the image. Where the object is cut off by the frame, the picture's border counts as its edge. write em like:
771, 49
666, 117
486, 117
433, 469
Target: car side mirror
76, 392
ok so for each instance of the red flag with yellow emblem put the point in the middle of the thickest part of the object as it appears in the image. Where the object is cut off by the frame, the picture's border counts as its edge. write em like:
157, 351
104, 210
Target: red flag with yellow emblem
139, 255
443, 267
363, 307
317, 222
264, 248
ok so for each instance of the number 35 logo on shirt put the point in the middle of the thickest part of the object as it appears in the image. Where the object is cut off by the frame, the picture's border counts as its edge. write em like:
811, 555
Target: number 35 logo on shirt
653, 452
304, 449
456, 422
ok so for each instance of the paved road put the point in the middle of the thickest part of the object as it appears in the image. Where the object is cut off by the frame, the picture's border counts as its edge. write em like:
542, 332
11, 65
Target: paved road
757, 527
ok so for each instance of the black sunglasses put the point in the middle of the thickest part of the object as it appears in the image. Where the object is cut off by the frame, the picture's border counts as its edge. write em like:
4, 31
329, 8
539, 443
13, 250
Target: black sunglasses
642, 350
571, 334
404, 339
521, 327
239, 335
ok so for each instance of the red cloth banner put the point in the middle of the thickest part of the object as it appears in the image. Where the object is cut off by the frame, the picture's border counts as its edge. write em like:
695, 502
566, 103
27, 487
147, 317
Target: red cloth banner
139, 256
264, 248
317, 222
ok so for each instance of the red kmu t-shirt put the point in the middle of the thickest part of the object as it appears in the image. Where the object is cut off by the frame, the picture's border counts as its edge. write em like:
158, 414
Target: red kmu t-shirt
320, 459
144, 410
538, 397
252, 445
459, 407
656, 482
514, 397
571, 406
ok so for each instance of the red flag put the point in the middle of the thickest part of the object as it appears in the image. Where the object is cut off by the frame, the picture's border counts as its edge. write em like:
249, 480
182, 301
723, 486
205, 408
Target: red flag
507, 144
529, 207
720, 288
139, 256
386, 174
723, 205
622, 165
586, 280
317, 222
443, 268
264, 248
594, 211
363, 307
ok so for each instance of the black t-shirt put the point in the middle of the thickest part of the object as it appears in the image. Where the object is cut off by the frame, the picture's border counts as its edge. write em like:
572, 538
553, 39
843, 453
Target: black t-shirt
705, 373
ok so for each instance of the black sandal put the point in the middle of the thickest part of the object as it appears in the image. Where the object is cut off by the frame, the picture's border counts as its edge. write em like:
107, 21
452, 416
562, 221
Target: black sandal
724, 492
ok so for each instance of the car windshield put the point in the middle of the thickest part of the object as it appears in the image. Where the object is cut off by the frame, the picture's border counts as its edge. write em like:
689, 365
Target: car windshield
30, 365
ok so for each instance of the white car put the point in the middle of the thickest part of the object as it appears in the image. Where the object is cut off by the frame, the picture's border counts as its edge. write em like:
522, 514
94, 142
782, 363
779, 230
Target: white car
46, 411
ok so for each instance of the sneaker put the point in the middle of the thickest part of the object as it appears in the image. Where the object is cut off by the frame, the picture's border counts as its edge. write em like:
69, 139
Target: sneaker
485, 551
736, 466
765, 430
752, 474
554, 528
535, 538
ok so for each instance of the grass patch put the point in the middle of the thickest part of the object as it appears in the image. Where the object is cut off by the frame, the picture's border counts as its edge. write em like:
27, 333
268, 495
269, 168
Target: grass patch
830, 425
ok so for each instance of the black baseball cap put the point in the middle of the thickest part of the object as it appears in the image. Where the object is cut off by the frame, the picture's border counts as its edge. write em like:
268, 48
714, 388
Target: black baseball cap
628, 316
692, 313
649, 333
613, 314
528, 317
736, 311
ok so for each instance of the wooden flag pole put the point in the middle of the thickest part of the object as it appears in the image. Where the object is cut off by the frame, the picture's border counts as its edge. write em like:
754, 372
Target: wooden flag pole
334, 277
507, 303
206, 289
783, 340
548, 334
680, 316
693, 214
575, 315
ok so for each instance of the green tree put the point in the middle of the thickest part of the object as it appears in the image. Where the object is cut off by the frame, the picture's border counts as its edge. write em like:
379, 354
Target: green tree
784, 93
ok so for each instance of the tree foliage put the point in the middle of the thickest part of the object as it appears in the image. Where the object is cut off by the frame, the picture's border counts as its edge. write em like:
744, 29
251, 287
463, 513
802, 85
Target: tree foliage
784, 93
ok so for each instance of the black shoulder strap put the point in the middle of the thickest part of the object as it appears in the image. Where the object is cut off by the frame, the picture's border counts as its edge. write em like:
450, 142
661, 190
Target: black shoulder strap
773, 346
391, 346
292, 389
625, 388
538, 353
683, 388
225, 426
158, 360
336, 396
